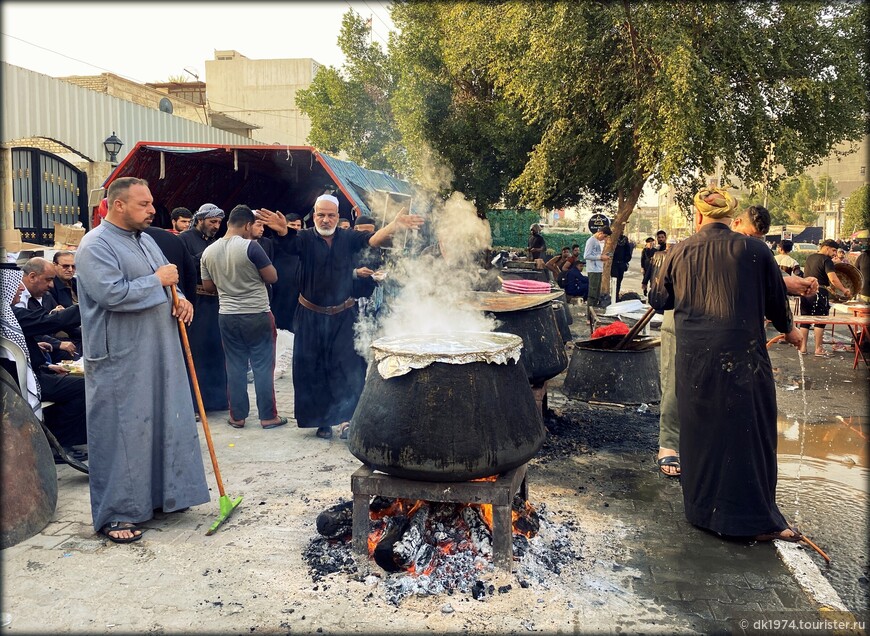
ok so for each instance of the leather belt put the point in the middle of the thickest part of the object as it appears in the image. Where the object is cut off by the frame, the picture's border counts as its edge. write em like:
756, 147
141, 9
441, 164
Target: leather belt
202, 292
329, 311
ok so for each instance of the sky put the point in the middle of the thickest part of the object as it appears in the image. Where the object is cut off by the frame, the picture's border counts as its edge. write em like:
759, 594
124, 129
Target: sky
152, 41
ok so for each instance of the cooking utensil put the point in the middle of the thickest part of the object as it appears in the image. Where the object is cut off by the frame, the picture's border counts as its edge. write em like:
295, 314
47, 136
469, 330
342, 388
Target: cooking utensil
227, 505
636, 329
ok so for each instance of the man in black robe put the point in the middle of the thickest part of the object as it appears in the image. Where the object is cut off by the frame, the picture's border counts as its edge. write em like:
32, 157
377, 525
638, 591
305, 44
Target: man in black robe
328, 373
286, 290
176, 253
721, 286
205, 337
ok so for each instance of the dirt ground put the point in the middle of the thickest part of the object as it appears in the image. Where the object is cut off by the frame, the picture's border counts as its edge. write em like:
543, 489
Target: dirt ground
594, 483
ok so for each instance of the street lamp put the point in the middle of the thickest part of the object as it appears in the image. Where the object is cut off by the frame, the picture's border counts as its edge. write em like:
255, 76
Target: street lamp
113, 147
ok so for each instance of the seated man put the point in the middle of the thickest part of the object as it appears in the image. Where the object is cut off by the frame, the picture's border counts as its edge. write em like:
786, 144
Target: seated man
65, 290
66, 417
556, 263
38, 280
576, 284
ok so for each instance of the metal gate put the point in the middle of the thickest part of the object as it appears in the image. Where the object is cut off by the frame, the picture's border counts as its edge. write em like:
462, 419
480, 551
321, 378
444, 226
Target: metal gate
46, 190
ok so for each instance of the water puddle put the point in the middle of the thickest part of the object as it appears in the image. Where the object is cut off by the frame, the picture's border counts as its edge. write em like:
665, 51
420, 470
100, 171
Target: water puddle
823, 487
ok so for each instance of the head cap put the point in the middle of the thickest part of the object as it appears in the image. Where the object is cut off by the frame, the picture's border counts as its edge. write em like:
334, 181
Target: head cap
328, 198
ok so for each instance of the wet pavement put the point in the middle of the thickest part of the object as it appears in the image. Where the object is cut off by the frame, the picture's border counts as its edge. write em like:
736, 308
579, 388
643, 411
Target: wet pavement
642, 567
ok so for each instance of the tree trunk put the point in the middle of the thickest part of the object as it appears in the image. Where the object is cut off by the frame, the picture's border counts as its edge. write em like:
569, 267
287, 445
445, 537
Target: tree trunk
624, 210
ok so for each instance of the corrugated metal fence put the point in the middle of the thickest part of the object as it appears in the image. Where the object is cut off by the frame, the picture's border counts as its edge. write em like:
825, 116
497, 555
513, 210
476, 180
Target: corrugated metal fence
36, 105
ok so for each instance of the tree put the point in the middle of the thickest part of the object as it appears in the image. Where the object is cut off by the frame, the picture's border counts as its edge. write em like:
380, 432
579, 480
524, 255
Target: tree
350, 110
449, 112
857, 214
625, 92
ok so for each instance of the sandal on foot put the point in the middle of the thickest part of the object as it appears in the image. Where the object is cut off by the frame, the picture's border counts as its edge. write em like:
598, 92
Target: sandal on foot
343, 430
281, 422
236, 424
669, 460
770, 536
324, 432
117, 526
823, 354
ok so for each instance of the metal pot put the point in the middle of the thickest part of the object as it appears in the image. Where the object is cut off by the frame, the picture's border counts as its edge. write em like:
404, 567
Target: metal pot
561, 320
620, 376
28, 472
544, 354
454, 410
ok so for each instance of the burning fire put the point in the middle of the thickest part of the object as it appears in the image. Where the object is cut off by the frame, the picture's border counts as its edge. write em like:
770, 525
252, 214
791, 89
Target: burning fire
435, 537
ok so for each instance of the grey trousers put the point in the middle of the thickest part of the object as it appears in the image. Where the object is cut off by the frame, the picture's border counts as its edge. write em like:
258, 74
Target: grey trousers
669, 423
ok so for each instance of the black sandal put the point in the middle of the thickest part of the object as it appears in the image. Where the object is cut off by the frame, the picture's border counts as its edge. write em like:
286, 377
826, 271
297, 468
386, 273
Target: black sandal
116, 526
324, 432
670, 460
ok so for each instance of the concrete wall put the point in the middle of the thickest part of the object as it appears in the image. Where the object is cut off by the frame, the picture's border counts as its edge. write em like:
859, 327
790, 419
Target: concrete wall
121, 88
262, 92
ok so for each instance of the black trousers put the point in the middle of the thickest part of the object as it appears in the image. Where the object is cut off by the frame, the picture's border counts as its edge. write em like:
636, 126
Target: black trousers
66, 417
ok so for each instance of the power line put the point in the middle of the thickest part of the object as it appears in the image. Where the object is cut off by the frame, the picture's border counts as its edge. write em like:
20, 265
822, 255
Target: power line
376, 15
133, 79
139, 81
371, 28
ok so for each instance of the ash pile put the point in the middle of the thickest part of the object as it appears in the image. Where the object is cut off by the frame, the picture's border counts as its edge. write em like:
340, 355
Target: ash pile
426, 548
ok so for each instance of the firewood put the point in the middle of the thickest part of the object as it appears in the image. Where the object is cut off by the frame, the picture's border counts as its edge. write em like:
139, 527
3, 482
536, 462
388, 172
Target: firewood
336, 521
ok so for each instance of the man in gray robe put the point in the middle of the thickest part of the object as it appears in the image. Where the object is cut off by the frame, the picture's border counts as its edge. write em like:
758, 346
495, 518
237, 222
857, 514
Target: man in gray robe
142, 437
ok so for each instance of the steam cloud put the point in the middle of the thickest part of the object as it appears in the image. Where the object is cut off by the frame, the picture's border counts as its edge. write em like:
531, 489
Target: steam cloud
428, 293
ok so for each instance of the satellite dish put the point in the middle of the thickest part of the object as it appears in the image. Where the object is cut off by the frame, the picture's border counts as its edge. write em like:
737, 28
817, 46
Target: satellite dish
165, 105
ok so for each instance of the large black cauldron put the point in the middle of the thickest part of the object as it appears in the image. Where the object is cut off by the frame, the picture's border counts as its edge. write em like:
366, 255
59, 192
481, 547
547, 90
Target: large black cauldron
544, 354
440, 421
29, 475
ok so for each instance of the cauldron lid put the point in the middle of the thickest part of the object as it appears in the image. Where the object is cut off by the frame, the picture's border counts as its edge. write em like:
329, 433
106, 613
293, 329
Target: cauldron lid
398, 355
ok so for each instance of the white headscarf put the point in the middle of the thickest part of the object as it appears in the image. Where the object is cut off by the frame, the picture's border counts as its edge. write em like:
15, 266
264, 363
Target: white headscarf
11, 279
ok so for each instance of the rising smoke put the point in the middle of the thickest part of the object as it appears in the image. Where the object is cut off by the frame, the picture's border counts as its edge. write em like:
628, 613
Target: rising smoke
428, 292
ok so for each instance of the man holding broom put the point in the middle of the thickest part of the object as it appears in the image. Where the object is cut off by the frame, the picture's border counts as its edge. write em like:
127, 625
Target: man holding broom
143, 445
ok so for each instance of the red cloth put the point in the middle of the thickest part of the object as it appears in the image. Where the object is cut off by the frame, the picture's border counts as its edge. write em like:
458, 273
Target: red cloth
617, 328
101, 212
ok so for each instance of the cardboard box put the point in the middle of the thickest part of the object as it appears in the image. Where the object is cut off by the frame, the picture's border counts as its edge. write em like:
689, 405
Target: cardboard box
67, 236
11, 239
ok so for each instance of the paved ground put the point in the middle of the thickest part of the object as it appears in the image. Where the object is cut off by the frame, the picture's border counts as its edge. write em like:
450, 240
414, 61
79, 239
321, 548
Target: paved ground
639, 566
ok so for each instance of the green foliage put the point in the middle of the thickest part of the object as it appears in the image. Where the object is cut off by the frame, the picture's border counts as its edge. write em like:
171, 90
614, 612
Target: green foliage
857, 214
796, 200
448, 110
511, 227
350, 111
554, 103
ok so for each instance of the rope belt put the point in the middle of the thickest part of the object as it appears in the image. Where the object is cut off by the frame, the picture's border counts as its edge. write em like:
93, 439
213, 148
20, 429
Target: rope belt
329, 311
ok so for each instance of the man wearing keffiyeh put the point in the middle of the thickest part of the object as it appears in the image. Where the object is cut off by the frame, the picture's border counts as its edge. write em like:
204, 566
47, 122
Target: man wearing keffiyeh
11, 330
205, 340
66, 417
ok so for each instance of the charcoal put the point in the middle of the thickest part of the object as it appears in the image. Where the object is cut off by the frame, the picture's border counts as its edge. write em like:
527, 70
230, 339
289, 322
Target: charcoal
478, 590
411, 548
384, 556
380, 503
481, 537
336, 521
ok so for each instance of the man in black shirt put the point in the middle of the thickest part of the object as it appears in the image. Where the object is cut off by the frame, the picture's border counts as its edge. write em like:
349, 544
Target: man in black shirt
821, 266
537, 245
